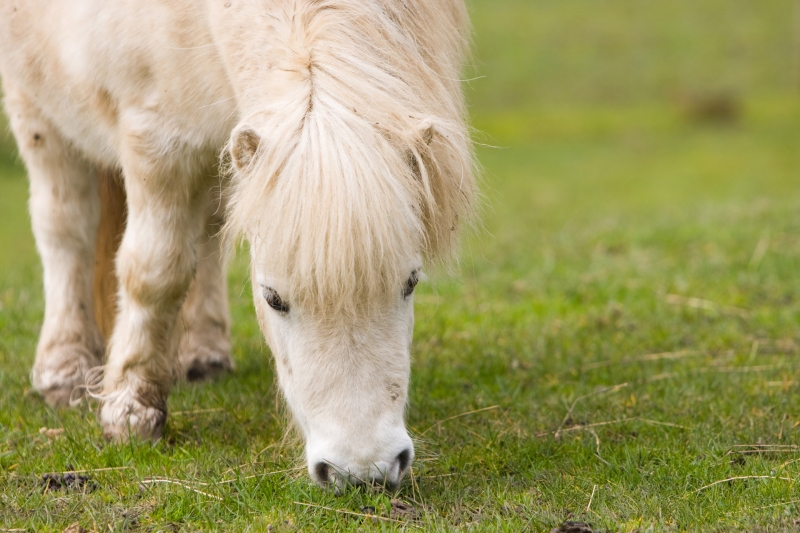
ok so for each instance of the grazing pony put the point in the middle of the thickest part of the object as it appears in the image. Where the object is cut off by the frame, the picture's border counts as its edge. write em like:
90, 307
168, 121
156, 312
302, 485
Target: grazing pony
346, 164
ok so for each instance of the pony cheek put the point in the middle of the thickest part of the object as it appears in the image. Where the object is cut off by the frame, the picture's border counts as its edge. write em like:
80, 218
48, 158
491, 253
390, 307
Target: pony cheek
276, 336
410, 318
266, 321
263, 321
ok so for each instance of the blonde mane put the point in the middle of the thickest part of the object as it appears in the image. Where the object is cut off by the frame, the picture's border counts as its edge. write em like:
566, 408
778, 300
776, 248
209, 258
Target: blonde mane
364, 159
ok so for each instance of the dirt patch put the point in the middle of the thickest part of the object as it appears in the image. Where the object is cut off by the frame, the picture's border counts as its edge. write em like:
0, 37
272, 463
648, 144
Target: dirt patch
574, 527
75, 528
404, 511
67, 481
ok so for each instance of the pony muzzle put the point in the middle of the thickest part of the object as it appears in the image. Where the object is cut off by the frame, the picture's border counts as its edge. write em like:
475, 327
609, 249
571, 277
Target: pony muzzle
339, 474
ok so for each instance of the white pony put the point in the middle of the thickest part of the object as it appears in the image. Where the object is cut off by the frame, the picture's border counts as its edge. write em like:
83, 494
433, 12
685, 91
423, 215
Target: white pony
346, 165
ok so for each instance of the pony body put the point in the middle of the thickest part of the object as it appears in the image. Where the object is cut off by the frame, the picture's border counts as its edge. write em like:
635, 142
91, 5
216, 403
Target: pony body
349, 169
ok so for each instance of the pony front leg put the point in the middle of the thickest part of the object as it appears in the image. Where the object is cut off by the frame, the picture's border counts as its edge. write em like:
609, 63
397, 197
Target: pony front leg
65, 209
155, 265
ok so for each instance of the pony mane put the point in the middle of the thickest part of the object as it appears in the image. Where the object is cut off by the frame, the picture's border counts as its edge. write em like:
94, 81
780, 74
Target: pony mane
364, 159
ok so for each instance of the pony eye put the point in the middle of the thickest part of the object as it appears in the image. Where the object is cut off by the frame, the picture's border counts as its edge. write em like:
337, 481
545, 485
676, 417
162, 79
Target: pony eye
411, 282
274, 300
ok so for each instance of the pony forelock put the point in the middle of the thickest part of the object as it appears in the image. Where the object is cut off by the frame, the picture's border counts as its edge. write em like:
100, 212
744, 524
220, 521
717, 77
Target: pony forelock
364, 162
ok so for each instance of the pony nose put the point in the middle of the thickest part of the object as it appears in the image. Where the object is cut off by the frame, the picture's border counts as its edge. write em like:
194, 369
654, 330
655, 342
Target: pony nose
323, 473
403, 460
326, 474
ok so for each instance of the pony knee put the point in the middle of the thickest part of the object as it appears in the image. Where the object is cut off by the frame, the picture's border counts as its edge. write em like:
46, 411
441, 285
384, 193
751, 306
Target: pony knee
157, 281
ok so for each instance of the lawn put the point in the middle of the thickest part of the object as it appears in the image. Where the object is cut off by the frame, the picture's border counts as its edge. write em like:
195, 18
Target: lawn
620, 345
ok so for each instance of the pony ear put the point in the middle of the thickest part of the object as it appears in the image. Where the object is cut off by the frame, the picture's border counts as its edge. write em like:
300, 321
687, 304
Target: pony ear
244, 144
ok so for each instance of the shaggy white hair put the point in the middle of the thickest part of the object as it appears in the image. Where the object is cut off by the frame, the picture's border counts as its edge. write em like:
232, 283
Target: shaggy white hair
363, 160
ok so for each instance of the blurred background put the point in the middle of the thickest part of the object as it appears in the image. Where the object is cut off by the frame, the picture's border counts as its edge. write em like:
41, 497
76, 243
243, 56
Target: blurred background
636, 106
607, 107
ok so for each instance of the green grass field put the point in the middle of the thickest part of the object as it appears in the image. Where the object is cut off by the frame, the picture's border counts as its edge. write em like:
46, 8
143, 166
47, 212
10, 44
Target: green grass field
623, 339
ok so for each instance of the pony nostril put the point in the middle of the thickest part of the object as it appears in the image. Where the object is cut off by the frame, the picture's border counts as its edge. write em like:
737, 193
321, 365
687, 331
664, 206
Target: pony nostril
404, 458
323, 472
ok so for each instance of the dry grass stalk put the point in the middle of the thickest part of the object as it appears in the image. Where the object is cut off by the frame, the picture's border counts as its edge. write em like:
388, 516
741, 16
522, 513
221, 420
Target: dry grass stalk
707, 305
606, 390
760, 251
737, 478
591, 498
265, 474
440, 422
353, 513
609, 422
647, 357
152, 481
754, 449
197, 411
719, 370
93, 470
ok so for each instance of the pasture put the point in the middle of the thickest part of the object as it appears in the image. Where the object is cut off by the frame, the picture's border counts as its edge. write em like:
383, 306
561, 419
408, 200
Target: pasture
620, 345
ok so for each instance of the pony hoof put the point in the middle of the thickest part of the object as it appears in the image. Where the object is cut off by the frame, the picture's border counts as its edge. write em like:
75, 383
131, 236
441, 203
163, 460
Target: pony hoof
58, 396
207, 363
59, 370
124, 418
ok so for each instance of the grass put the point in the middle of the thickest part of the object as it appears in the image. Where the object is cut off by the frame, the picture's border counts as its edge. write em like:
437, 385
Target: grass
623, 339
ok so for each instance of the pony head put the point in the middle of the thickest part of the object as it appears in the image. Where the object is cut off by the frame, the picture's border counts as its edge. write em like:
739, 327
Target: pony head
352, 175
